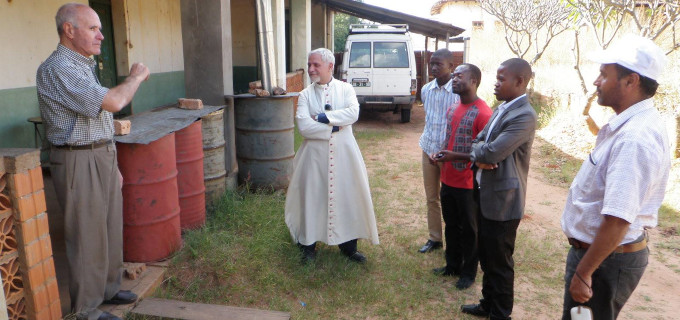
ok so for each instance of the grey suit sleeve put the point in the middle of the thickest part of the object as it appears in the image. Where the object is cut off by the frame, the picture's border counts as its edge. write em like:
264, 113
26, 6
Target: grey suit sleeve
514, 133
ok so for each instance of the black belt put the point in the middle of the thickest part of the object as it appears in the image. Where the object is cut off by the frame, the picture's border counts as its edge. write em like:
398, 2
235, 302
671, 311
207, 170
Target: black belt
89, 146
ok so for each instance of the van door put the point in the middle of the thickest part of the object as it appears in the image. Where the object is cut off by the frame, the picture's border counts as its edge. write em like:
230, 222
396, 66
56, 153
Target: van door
359, 72
391, 68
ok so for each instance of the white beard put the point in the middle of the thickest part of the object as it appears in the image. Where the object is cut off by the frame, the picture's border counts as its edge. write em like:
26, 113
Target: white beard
315, 79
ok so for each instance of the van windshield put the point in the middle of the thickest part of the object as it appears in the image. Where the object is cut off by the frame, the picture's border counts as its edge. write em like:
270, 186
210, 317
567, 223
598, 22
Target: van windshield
390, 55
360, 55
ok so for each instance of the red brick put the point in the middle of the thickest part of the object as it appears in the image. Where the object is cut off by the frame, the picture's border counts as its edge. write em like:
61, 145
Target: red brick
36, 178
25, 208
39, 201
46, 247
32, 253
42, 224
5, 203
19, 184
44, 314
40, 300
121, 127
190, 104
36, 277
28, 230
55, 310
52, 290
48, 269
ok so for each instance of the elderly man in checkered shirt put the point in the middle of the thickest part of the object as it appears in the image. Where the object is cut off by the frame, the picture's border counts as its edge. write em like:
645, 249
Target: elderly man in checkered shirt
617, 192
77, 112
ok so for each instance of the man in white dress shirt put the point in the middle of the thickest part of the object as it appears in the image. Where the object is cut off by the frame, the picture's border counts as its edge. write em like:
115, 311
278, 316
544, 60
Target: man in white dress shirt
328, 198
617, 193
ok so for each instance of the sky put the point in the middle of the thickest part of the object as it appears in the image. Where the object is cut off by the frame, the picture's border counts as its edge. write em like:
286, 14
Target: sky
419, 8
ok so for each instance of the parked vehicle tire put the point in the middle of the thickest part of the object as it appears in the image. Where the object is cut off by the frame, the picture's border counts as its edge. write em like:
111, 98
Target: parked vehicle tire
405, 115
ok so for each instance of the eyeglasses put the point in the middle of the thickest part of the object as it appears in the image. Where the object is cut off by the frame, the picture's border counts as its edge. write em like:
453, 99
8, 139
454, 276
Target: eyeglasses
327, 107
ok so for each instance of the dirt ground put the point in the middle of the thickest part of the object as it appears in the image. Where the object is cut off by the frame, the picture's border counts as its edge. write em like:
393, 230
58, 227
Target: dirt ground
657, 295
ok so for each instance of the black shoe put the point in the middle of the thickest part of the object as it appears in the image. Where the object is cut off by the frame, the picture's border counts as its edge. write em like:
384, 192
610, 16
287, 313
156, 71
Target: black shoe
122, 297
475, 310
464, 283
308, 256
357, 257
430, 245
445, 271
107, 316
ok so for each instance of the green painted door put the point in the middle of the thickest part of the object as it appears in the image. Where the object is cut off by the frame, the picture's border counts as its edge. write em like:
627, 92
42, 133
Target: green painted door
106, 61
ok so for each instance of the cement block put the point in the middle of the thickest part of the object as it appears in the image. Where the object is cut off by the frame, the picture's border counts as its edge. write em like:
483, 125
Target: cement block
190, 104
121, 127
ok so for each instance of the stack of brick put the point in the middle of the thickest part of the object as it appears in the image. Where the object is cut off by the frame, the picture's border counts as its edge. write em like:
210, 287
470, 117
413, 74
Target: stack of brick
28, 272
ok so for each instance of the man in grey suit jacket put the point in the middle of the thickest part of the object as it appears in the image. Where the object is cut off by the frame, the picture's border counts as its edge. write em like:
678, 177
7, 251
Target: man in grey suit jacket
501, 153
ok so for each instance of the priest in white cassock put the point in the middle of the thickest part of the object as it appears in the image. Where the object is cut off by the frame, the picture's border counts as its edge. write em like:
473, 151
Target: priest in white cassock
328, 198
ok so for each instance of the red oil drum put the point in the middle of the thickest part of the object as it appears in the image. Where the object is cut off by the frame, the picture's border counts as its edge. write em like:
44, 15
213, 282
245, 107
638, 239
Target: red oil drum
151, 223
189, 152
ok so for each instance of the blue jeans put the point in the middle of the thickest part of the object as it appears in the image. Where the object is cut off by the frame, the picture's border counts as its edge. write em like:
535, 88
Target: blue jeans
613, 282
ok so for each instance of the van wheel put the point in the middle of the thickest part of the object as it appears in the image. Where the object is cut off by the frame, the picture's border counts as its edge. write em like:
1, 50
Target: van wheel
405, 115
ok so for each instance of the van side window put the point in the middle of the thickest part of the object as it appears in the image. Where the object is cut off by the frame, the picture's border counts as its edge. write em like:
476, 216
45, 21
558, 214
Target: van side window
360, 55
390, 55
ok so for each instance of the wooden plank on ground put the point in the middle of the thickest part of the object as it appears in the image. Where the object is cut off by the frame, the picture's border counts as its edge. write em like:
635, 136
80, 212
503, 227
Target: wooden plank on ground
198, 311
143, 286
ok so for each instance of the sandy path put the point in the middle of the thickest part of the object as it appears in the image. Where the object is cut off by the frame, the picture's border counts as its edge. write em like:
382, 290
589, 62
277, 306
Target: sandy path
657, 296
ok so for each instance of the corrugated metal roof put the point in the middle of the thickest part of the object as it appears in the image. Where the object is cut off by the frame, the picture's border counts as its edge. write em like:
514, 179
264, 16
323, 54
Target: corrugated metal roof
427, 27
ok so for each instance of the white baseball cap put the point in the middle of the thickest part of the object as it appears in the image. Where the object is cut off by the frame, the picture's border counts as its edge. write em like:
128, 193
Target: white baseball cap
636, 53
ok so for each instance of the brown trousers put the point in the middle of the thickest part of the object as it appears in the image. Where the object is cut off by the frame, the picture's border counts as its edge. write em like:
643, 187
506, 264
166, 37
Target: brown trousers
89, 192
432, 184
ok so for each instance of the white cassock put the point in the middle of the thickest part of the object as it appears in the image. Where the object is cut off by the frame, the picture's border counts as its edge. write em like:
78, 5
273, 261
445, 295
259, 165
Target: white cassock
328, 198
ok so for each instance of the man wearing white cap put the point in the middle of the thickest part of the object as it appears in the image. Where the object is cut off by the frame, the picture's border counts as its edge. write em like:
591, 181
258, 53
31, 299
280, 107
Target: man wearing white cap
617, 192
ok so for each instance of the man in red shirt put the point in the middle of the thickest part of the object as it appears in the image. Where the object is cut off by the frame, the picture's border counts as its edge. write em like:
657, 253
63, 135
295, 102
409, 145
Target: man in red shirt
459, 204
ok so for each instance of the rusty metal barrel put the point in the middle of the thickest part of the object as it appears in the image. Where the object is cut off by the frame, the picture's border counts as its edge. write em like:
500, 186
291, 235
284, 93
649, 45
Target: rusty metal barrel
214, 169
189, 154
264, 140
151, 222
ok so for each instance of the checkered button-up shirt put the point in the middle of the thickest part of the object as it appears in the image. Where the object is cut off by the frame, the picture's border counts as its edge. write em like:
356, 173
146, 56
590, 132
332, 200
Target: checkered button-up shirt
70, 99
625, 176
436, 101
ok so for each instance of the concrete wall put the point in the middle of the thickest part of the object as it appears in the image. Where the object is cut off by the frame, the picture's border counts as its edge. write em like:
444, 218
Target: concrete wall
150, 31
147, 31
244, 43
29, 35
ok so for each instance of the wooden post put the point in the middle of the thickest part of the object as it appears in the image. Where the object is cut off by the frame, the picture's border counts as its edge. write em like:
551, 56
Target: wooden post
677, 137
426, 62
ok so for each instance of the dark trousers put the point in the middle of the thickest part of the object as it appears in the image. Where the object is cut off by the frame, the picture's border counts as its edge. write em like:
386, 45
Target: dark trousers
613, 282
460, 210
496, 246
348, 248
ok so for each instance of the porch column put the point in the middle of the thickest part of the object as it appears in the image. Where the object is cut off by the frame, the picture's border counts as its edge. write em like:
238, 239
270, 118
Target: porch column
206, 36
279, 21
301, 34
330, 30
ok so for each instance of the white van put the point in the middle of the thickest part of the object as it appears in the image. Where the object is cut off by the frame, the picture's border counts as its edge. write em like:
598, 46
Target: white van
379, 62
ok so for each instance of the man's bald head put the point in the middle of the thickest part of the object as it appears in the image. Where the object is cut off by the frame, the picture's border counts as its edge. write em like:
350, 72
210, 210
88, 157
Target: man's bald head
519, 68
444, 54
68, 13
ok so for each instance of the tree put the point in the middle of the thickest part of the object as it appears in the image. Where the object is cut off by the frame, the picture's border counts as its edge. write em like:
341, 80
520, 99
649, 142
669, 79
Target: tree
529, 24
341, 25
654, 19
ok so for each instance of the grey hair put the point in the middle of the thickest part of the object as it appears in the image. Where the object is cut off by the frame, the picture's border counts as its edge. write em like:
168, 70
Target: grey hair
67, 13
326, 55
